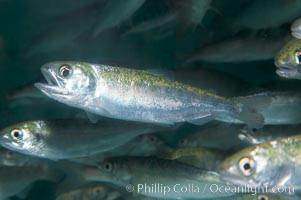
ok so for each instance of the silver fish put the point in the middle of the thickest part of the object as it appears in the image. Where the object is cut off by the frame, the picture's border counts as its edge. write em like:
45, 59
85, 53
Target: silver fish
143, 145
149, 172
274, 165
206, 137
63, 139
203, 158
137, 95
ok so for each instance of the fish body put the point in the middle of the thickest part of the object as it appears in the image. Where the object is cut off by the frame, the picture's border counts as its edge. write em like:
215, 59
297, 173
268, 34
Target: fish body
206, 137
136, 95
235, 136
143, 145
61, 139
90, 192
239, 49
203, 158
190, 13
149, 171
271, 164
115, 12
151, 24
288, 60
26, 91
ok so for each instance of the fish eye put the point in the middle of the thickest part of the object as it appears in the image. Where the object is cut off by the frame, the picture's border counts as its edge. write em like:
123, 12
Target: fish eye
247, 166
16, 134
152, 139
182, 141
298, 57
65, 70
263, 197
107, 166
98, 191
254, 130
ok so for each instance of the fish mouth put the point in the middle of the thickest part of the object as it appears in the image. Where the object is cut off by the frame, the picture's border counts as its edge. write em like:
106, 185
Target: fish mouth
233, 179
296, 33
285, 70
53, 87
7, 143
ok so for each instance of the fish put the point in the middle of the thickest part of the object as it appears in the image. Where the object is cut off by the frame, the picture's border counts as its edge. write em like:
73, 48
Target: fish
267, 14
234, 136
288, 60
90, 192
159, 18
272, 164
151, 24
62, 139
25, 91
296, 28
143, 145
190, 13
203, 158
136, 174
11, 158
206, 137
137, 95
114, 13
14, 179
239, 49
267, 133
283, 107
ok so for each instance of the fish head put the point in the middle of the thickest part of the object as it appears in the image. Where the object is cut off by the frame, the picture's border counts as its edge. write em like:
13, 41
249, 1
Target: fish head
255, 166
182, 142
97, 191
113, 170
288, 60
11, 158
25, 137
68, 82
151, 140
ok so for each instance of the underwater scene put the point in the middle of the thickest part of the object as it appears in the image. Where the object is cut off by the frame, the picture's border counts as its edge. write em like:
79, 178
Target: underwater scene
150, 99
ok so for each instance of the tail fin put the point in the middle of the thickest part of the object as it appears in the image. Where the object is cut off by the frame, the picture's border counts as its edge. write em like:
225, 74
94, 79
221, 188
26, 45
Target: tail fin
252, 107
